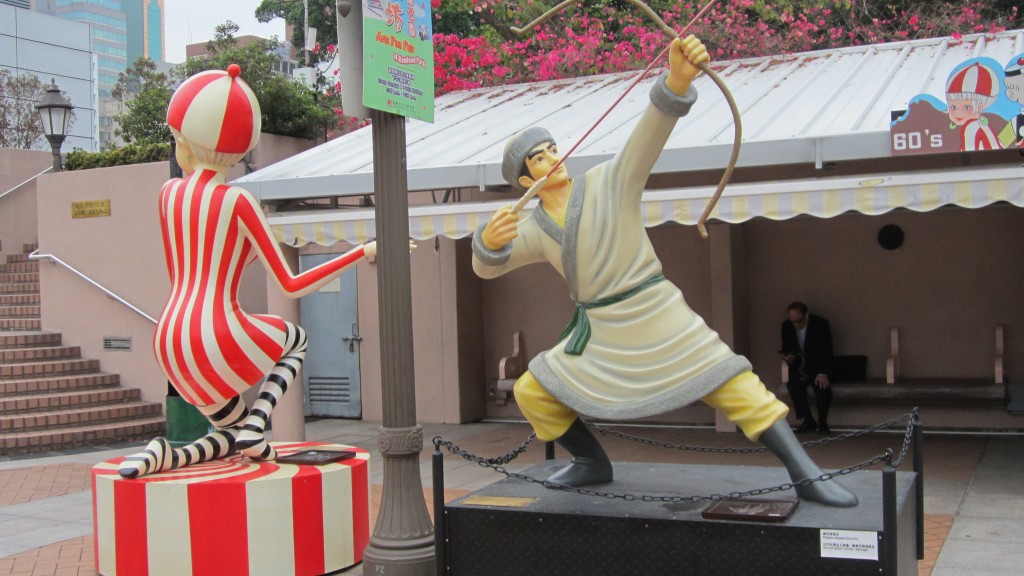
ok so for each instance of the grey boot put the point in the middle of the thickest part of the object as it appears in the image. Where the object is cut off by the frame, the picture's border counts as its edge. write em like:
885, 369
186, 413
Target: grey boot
589, 465
781, 441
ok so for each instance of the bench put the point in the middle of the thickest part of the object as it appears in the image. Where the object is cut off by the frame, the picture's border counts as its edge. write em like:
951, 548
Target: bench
855, 388
510, 368
893, 362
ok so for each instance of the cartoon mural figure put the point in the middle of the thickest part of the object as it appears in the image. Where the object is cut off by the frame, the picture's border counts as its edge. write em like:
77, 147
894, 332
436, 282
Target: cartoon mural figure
210, 349
969, 92
1014, 80
634, 348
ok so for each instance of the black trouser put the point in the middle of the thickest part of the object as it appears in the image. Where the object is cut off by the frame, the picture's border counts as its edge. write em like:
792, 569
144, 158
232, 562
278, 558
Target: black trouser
798, 394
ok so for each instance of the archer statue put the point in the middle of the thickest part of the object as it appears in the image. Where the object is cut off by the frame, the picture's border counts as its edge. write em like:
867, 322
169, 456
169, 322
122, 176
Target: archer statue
634, 348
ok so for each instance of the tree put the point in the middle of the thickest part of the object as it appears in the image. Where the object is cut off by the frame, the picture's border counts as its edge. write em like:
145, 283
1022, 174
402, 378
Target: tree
321, 17
145, 94
288, 108
19, 121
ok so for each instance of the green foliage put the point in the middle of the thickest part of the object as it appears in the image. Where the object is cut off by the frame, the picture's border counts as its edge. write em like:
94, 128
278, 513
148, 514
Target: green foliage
295, 111
288, 108
145, 94
321, 17
454, 18
79, 159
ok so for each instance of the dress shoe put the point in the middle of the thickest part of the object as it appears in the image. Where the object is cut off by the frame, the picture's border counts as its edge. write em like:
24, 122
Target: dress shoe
823, 429
808, 425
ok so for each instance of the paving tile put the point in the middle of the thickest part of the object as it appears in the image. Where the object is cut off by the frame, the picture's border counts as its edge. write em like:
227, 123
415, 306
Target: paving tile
55, 532
1007, 485
990, 506
46, 506
7, 552
12, 528
988, 529
990, 557
39, 482
971, 572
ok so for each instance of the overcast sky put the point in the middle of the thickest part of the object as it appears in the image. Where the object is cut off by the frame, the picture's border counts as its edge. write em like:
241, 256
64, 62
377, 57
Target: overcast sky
191, 21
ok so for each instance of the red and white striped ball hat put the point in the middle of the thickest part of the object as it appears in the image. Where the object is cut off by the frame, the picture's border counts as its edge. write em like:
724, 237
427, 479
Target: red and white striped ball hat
974, 79
216, 110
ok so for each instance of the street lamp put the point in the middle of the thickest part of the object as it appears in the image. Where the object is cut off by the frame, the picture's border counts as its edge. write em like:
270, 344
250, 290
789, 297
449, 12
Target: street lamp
55, 114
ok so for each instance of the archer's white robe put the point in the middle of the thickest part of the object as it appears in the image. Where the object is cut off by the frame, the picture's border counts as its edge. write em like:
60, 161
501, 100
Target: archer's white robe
650, 353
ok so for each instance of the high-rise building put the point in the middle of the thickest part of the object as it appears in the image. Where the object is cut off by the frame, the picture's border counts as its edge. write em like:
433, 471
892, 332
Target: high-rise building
145, 23
122, 31
53, 49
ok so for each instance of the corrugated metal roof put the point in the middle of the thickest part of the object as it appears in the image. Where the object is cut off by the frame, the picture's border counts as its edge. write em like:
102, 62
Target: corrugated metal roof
815, 107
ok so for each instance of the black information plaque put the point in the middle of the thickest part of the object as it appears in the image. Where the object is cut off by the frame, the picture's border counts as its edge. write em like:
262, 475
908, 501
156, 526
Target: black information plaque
750, 510
316, 457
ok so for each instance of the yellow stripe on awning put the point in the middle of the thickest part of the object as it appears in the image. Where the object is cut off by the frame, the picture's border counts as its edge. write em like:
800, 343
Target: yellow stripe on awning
822, 198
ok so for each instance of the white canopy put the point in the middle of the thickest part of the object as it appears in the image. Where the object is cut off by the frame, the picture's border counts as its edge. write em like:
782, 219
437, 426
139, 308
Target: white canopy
821, 197
816, 107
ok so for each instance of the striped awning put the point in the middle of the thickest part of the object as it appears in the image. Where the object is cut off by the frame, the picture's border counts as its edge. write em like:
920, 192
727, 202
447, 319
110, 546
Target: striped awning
781, 200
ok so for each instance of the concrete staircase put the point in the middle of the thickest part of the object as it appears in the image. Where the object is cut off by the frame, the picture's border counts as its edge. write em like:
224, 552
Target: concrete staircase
51, 399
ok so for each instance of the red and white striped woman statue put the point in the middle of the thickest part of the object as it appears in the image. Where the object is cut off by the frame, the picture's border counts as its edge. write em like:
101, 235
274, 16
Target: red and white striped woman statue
210, 349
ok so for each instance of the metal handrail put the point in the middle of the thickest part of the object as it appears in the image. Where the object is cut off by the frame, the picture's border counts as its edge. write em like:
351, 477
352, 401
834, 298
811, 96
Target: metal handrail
35, 255
26, 182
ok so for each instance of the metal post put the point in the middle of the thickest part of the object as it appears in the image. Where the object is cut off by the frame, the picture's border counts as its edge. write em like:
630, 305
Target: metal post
889, 522
403, 538
439, 514
918, 440
56, 141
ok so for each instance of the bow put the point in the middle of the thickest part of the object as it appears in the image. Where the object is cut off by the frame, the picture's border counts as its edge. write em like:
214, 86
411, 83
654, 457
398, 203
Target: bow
737, 123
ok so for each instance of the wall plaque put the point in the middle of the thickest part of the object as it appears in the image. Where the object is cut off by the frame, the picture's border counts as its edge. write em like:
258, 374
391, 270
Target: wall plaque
90, 209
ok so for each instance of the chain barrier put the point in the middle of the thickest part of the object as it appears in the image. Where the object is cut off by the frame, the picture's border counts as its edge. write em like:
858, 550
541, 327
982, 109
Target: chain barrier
822, 442
497, 463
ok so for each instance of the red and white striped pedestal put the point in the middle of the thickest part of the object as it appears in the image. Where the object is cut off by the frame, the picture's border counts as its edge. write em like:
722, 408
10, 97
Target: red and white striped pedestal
234, 517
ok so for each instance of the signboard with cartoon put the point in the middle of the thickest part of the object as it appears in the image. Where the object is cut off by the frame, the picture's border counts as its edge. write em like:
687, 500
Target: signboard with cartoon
398, 53
983, 109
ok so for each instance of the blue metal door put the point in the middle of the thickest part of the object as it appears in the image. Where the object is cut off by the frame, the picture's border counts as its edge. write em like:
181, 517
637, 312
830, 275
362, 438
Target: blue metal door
330, 373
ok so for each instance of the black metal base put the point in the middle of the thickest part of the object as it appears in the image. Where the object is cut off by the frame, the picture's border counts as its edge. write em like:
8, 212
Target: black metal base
567, 534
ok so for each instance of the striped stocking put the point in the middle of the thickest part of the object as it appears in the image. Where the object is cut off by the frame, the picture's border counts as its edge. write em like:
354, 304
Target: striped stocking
251, 440
160, 456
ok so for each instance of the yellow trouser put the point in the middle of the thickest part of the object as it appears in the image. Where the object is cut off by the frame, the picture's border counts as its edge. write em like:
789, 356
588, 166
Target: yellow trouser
744, 400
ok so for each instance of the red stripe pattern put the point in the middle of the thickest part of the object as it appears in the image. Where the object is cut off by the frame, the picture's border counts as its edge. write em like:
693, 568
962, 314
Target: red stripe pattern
229, 530
977, 136
216, 110
974, 79
209, 348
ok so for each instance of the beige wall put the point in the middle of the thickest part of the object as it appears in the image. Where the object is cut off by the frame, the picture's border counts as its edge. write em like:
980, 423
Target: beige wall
18, 209
958, 274
122, 252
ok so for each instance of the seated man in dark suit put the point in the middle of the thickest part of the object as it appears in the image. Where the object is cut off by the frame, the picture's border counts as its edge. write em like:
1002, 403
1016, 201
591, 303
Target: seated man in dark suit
807, 349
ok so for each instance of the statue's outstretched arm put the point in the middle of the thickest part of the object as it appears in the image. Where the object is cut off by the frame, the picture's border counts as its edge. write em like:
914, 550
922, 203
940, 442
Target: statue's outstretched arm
257, 228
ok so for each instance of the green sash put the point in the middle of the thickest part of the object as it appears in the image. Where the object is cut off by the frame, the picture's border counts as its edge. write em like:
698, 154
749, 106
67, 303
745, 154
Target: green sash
579, 326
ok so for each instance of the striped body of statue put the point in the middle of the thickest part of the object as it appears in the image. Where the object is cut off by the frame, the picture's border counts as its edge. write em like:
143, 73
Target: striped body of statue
210, 349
